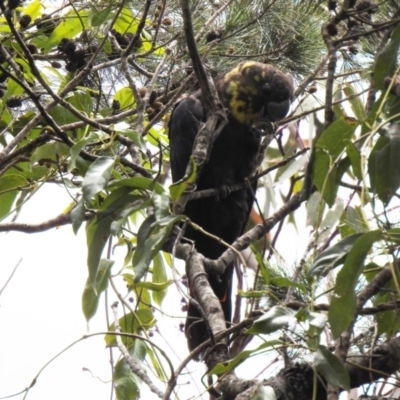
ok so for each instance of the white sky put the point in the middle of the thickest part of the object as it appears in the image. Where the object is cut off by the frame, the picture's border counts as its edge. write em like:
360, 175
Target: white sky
40, 314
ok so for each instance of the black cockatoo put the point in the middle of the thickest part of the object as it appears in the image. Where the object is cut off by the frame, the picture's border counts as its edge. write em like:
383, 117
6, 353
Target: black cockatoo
252, 93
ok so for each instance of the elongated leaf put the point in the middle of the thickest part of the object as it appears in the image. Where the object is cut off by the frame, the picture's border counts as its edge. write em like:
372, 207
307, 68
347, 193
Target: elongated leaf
184, 184
355, 102
329, 146
97, 234
394, 235
134, 136
276, 318
78, 147
71, 25
281, 281
223, 368
151, 236
98, 17
91, 297
332, 257
97, 177
329, 366
125, 98
12, 181
123, 216
49, 151
343, 304
161, 205
142, 319
138, 183
355, 159
159, 278
6, 202
384, 166
126, 22
78, 215
387, 59
33, 9
126, 383
82, 101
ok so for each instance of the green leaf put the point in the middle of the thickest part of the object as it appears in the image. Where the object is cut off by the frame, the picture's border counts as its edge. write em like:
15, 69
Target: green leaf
186, 183
97, 18
355, 159
156, 287
138, 183
13, 89
355, 102
226, 367
276, 318
285, 282
387, 59
151, 236
126, 383
343, 305
78, 147
70, 25
263, 268
141, 319
62, 116
332, 257
78, 215
159, 278
97, 177
394, 235
123, 216
33, 9
328, 148
125, 98
136, 138
383, 164
12, 181
329, 366
50, 151
6, 202
126, 22
97, 234
161, 205
91, 297
82, 101
354, 221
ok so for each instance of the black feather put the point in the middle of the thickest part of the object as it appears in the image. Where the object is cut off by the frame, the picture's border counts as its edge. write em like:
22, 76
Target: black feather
250, 92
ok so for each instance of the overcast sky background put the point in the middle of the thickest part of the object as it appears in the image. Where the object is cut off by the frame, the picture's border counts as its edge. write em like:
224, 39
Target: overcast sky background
40, 314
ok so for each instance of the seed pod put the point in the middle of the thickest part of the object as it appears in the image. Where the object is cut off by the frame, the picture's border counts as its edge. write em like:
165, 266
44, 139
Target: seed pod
25, 20
116, 105
167, 21
45, 24
312, 89
71, 66
157, 105
56, 64
153, 96
332, 29
32, 48
78, 55
13, 102
142, 92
